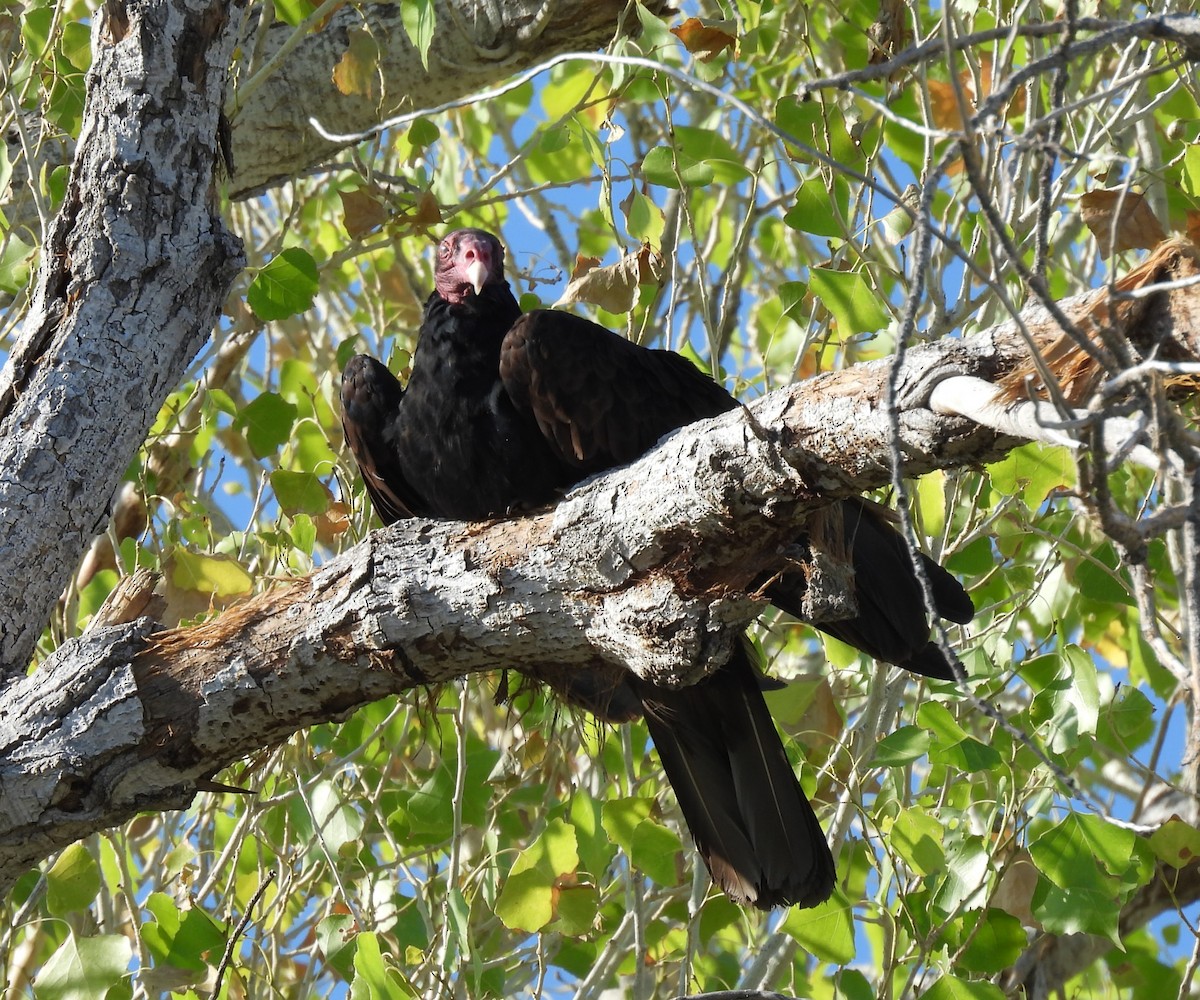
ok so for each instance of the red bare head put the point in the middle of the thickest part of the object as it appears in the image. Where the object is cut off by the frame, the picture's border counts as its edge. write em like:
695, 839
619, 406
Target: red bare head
467, 259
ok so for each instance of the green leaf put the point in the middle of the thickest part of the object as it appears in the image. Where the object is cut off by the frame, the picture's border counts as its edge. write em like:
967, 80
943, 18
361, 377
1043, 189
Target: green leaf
1102, 578
338, 823
16, 258
802, 119
293, 12
1128, 720
905, 745
826, 931
967, 755
1032, 471
419, 24
655, 851
596, 849
954, 988
374, 979
964, 885
1082, 851
711, 151
993, 940
917, 838
338, 943
660, 165
267, 420
222, 576
427, 813
284, 287
643, 218
935, 717
620, 819
1191, 170
72, 881
854, 303
84, 968
1176, 842
839, 654
184, 940
791, 298
576, 906
813, 211
300, 492
528, 898
1069, 696
1078, 910
553, 139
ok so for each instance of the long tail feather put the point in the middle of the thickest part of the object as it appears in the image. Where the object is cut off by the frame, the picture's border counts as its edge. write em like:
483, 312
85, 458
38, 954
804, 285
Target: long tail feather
745, 809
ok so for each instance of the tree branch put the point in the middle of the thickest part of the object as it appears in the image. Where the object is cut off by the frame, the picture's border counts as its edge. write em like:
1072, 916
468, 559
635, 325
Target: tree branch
651, 568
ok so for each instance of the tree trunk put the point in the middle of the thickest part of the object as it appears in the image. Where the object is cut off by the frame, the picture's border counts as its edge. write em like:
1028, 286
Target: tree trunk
134, 272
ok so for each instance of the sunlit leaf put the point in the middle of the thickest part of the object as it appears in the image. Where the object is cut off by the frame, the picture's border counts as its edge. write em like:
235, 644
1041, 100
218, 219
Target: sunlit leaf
529, 897
357, 71
419, 24
84, 968
73, 881
826, 931
284, 287
956, 988
851, 299
209, 574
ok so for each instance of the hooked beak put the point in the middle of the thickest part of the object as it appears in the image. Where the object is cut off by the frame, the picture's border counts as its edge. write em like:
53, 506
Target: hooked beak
477, 273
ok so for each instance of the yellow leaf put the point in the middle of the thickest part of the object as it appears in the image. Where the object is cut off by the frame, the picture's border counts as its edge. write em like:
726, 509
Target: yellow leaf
358, 69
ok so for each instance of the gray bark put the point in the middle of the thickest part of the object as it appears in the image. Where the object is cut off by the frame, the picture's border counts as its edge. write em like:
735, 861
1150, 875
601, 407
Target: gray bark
135, 268
476, 44
648, 568
137, 261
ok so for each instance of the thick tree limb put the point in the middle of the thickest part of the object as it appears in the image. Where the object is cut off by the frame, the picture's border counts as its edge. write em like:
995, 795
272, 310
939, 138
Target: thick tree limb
475, 46
134, 272
651, 567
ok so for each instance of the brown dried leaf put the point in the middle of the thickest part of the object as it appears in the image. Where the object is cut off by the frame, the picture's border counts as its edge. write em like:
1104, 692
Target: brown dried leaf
614, 288
706, 37
1193, 226
335, 521
362, 212
357, 72
651, 266
429, 212
944, 102
943, 105
583, 265
1135, 228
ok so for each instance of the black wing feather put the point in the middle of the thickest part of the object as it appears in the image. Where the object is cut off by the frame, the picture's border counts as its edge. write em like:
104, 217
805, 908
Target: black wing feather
371, 398
600, 400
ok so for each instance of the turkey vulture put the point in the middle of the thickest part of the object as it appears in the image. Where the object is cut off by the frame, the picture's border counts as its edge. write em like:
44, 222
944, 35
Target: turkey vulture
503, 412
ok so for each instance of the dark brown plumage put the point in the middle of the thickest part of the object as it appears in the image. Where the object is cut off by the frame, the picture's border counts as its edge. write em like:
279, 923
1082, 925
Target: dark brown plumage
502, 413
